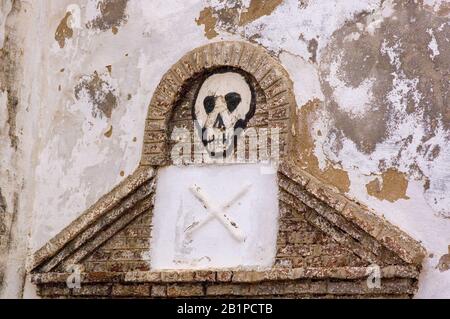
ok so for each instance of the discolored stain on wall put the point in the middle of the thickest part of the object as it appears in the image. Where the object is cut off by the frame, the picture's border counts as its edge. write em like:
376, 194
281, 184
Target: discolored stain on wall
10, 56
112, 15
99, 93
306, 157
3, 229
258, 9
393, 186
312, 49
109, 132
441, 8
64, 31
208, 19
396, 63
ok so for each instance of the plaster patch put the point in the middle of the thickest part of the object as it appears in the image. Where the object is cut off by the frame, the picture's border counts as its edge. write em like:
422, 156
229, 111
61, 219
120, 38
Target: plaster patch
64, 31
257, 9
208, 19
317, 20
306, 157
393, 186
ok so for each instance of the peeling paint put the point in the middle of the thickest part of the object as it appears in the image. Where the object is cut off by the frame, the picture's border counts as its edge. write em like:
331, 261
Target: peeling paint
404, 70
64, 31
99, 93
257, 9
207, 19
302, 21
393, 186
234, 16
306, 157
386, 88
112, 14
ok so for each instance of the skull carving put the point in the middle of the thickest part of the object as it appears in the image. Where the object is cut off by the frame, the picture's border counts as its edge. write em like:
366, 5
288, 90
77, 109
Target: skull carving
224, 105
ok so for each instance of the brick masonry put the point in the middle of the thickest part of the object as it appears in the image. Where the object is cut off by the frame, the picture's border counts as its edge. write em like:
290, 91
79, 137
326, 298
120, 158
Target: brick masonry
397, 282
170, 104
325, 241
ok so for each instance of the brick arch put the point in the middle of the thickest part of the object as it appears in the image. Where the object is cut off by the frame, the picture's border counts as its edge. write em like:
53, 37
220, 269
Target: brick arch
272, 78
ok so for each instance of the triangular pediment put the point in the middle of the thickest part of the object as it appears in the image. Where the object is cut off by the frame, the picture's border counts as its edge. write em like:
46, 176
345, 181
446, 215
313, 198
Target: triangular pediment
320, 230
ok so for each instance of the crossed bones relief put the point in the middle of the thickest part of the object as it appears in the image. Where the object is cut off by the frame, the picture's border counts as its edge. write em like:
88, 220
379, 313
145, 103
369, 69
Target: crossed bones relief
215, 212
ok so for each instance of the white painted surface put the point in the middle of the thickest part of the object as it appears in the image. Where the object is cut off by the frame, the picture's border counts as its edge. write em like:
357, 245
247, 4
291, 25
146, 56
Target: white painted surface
214, 245
218, 86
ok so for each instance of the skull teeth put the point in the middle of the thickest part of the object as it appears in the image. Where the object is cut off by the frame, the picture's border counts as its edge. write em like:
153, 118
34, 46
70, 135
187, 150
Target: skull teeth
210, 135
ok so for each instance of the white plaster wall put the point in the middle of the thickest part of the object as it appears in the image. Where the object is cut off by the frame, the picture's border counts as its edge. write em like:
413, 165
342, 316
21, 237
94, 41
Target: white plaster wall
253, 211
67, 162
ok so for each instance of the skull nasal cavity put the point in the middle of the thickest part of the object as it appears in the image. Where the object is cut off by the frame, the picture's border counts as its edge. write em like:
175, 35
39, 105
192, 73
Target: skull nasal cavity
209, 104
219, 122
233, 100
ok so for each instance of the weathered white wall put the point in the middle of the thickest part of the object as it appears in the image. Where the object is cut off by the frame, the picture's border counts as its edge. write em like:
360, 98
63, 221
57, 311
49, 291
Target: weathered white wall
86, 80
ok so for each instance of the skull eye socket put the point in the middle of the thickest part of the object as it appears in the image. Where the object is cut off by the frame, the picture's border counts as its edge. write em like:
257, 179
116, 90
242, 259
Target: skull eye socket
209, 103
233, 100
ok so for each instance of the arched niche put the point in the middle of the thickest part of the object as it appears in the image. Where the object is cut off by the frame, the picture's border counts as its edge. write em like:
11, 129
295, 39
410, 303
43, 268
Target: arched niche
172, 99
